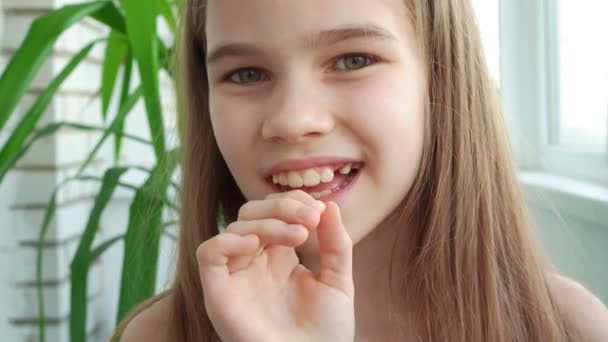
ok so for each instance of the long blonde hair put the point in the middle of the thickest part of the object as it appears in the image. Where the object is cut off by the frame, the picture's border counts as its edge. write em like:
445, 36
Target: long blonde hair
474, 271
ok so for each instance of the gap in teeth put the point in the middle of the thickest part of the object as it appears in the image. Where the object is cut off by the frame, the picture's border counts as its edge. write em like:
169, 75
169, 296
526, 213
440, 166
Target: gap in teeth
318, 195
310, 177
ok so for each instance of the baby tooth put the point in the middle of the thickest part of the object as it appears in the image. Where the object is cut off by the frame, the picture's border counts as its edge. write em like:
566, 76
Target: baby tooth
346, 169
275, 179
295, 181
327, 175
316, 195
325, 193
311, 178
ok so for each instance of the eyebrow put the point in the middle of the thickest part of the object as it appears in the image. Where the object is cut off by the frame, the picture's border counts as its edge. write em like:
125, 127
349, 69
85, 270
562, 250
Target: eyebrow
323, 38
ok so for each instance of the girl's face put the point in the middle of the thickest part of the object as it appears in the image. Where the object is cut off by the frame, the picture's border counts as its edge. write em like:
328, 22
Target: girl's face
297, 84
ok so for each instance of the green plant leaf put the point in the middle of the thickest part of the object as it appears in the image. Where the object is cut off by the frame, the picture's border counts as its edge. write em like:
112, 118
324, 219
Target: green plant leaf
124, 96
120, 117
50, 129
82, 259
116, 49
99, 250
141, 28
110, 15
34, 50
48, 216
46, 221
167, 12
29, 120
143, 238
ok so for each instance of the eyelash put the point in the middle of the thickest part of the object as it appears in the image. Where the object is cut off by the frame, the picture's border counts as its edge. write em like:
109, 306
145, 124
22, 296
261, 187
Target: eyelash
371, 60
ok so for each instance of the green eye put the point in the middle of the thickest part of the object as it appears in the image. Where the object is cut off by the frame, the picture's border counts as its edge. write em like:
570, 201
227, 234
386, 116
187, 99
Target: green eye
246, 76
354, 62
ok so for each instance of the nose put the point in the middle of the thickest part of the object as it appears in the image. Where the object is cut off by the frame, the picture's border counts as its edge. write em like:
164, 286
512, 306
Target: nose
297, 112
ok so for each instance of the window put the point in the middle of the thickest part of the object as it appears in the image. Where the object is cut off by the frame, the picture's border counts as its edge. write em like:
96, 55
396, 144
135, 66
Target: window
582, 67
554, 85
488, 19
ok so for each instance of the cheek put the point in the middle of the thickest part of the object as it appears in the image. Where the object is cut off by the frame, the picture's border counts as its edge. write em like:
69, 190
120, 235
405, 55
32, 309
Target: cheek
233, 132
233, 125
389, 113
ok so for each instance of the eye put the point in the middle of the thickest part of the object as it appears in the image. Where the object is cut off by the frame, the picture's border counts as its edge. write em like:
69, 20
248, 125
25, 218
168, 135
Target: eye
245, 75
355, 61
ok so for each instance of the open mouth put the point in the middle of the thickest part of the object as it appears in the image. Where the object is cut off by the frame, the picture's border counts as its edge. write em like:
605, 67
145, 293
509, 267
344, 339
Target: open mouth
320, 183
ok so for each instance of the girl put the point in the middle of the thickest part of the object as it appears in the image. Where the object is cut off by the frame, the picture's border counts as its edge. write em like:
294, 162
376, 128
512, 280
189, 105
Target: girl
355, 154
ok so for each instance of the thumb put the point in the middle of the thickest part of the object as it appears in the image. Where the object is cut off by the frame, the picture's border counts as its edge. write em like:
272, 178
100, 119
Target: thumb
335, 251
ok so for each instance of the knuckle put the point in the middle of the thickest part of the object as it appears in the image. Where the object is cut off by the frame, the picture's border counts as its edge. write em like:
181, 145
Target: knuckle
268, 226
244, 210
232, 227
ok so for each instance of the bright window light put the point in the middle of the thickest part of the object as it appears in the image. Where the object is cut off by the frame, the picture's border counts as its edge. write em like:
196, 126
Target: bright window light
583, 74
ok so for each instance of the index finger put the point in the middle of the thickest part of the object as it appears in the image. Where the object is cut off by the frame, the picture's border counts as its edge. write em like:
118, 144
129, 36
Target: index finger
301, 196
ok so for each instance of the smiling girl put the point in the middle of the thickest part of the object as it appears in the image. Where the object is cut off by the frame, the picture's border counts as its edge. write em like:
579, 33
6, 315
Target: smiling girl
355, 153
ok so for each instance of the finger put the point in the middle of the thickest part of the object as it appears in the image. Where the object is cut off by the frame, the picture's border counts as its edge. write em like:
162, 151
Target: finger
281, 261
335, 251
301, 196
286, 209
270, 232
213, 256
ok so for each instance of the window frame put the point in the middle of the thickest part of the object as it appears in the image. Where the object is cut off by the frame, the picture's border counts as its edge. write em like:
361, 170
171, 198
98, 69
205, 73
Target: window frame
530, 92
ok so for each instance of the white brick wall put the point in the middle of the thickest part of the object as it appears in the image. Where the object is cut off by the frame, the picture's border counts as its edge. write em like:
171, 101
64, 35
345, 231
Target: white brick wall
25, 191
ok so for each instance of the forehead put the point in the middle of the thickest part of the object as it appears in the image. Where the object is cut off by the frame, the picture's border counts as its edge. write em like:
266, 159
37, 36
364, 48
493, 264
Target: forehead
287, 22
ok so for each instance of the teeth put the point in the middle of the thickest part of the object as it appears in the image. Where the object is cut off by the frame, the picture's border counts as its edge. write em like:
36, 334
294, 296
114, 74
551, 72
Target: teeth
295, 181
325, 193
318, 195
346, 169
327, 175
283, 180
315, 195
309, 178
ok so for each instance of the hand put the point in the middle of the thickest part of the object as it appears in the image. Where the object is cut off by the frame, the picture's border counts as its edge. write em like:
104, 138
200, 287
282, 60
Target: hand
254, 286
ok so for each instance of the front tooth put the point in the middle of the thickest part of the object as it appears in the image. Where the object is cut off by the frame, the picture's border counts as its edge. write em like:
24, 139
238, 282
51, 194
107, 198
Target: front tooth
346, 169
311, 178
294, 179
283, 179
327, 175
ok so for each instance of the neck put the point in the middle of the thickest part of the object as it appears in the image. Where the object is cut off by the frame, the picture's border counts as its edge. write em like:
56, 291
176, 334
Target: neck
375, 312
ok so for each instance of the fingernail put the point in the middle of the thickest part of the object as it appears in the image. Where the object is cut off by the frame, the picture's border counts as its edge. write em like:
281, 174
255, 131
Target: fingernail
305, 213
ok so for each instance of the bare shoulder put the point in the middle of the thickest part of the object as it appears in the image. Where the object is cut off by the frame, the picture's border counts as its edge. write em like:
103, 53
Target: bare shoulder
584, 311
150, 325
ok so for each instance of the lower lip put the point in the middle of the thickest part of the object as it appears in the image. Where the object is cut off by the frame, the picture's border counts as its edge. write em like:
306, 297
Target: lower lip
338, 195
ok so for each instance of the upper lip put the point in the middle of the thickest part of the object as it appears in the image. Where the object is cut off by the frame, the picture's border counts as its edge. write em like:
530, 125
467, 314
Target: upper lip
307, 163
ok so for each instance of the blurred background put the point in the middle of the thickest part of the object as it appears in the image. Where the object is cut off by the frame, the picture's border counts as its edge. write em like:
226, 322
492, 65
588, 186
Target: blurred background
77, 161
